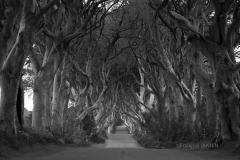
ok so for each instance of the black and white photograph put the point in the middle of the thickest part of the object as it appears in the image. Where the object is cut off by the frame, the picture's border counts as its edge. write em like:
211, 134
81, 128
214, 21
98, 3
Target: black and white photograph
119, 79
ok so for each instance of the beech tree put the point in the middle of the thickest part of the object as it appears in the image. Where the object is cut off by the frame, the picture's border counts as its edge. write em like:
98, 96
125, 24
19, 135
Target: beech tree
157, 65
65, 25
217, 43
20, 23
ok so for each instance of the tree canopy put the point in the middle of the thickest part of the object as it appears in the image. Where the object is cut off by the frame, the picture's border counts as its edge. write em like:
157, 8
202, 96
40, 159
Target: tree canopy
155, 64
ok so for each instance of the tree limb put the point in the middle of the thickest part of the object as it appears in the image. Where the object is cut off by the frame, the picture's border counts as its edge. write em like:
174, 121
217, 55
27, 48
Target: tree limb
45, 9
50, 34
80, 70
185, 96
141, 85
184, 23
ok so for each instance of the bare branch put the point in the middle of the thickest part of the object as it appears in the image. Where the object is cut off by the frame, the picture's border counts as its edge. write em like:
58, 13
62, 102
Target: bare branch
129, 106
145, 87
185, 96
45, 9
184, 23
80, 70
50, 34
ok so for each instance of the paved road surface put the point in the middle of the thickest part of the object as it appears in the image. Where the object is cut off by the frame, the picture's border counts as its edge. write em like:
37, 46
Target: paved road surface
121, 146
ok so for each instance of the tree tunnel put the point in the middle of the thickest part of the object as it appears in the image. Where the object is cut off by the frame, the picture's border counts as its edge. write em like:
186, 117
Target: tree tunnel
166, 68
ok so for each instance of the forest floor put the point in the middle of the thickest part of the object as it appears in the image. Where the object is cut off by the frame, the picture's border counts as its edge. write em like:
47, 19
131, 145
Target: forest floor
225, 153
40, 151
32, 152
119, 146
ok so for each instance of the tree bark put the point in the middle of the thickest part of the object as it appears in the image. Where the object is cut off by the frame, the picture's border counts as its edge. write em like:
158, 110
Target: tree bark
55, 123
211, 107
9, 90
9, 83
40, 96
48, 108
65, 110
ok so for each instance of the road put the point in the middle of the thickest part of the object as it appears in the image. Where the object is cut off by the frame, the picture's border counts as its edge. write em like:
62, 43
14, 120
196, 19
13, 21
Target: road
122, 146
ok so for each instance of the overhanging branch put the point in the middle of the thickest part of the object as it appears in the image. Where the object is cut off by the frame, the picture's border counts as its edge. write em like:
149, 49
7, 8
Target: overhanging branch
45, 9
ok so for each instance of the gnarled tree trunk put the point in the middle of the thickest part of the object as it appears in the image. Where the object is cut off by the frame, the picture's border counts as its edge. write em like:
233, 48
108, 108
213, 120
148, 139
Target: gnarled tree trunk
218, 47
